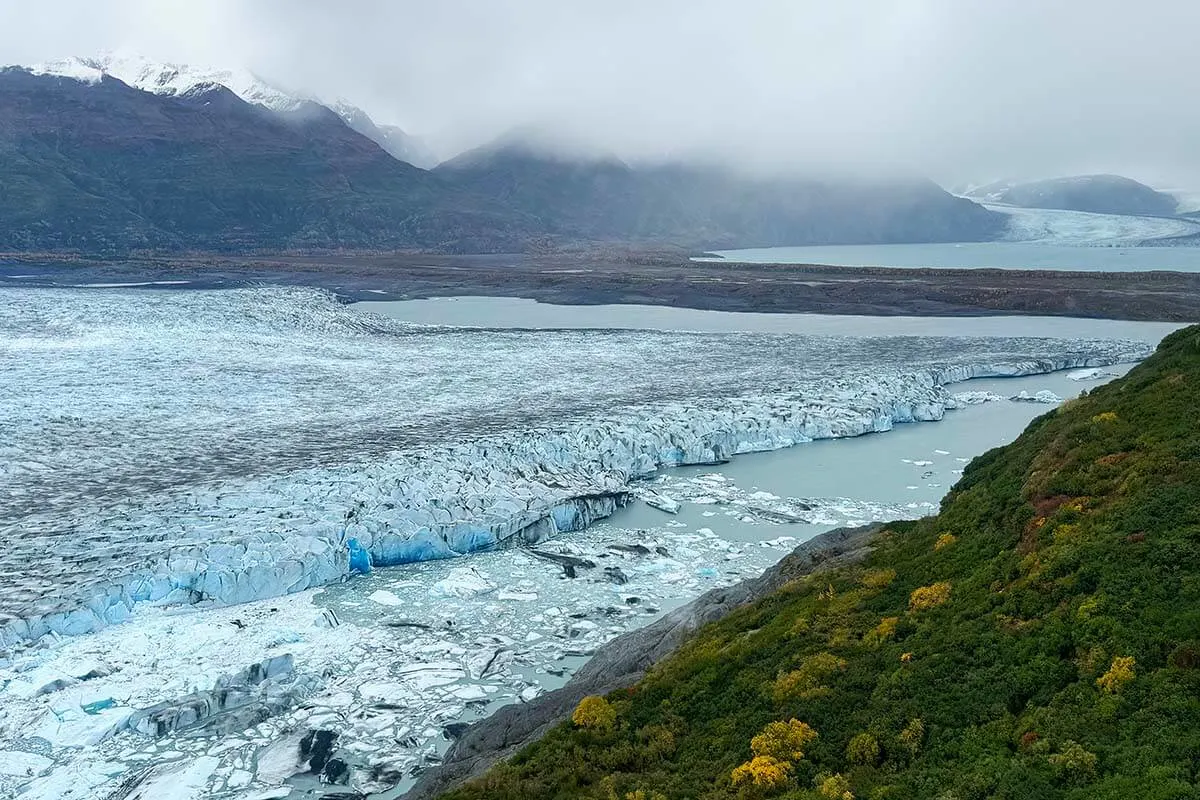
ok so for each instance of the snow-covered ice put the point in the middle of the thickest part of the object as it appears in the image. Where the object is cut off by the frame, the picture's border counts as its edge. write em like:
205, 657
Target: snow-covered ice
220, 447
1094, 374
387, 679
1044, 396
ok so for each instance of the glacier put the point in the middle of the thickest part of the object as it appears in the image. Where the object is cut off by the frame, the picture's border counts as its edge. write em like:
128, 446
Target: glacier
210, 448
1087, 229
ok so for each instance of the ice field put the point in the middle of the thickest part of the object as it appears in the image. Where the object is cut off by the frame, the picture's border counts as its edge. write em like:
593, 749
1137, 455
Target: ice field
182, 471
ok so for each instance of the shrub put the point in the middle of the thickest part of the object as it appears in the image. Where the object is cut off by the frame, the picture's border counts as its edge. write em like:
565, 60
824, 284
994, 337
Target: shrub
944, 541
806, 683
1074, 764
1186, 656
763, 772
926, 597
1104, 417
885, 630
595, 713
1119, 674
835, 787
863, 750
913, 735
877, 578
785, 741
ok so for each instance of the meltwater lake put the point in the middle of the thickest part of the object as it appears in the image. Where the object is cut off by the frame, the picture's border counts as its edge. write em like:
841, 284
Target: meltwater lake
979, 255
1044, 239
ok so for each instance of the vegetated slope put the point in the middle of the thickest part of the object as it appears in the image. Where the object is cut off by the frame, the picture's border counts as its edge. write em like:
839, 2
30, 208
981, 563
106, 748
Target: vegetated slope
1100, 194
1039, 638
698, 205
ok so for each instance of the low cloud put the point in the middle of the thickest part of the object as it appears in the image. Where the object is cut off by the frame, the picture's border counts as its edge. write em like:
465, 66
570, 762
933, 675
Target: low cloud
959, 91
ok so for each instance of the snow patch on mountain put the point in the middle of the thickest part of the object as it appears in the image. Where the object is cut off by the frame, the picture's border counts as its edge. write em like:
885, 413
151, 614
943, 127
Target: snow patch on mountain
171, 79
75, 68
179, 80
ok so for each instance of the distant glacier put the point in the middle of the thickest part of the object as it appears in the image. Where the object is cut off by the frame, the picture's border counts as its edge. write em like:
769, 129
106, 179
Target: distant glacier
175, 447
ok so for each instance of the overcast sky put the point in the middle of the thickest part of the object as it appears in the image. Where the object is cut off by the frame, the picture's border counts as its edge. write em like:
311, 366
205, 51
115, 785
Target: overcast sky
961, 90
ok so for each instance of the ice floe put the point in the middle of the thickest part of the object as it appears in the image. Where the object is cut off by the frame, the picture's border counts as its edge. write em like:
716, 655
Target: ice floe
191, 694
1044, 396
1094, 374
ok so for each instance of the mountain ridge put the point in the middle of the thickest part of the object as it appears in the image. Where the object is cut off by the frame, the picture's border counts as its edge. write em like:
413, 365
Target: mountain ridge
95, 165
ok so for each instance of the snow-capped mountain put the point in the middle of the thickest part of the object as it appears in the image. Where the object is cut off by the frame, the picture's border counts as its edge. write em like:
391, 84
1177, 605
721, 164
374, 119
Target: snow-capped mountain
170, 79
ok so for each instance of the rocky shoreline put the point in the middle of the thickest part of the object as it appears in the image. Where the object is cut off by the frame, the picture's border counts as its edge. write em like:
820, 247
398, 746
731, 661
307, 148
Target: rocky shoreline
623, 661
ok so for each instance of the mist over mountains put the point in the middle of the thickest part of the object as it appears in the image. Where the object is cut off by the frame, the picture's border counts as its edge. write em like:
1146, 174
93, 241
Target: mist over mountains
117, 155
1097, 194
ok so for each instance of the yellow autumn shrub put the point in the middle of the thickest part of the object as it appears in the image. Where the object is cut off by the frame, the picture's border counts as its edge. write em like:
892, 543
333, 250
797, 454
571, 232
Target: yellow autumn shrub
863, 750
594, 712
763, 772
944, 541
926, 597
785, 741
1119, 674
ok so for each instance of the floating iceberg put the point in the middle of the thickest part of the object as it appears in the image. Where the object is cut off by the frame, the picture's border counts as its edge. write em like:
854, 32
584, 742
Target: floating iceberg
1044, 396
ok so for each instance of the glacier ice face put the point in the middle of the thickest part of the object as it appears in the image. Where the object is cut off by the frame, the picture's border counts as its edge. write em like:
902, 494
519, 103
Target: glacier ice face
177, 447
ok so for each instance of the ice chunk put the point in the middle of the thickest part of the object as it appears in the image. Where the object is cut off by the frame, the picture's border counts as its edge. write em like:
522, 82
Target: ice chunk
1094, 374
462, 582
21, 764
385, 598
189, 782
1044, 396
661, 502
425, 676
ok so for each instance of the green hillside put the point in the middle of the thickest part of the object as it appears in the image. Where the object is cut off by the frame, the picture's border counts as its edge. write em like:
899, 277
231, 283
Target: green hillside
1039, 638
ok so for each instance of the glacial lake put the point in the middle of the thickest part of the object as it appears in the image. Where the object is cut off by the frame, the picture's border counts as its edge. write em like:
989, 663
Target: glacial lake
978, 255
521, 313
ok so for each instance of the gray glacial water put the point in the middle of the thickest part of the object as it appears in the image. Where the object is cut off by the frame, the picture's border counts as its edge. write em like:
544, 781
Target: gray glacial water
511, 312
980, 255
